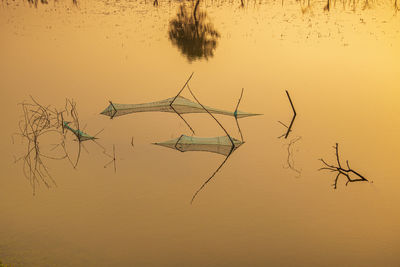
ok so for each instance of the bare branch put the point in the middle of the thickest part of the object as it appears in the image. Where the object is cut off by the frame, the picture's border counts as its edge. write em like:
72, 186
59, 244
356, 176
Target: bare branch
294, 115
37, 122
173, 100
350, 174
289, 129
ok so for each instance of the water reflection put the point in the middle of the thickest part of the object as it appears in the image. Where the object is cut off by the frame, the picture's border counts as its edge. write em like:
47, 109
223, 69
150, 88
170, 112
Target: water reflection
45, 2
193, 33
290, 162
224, 145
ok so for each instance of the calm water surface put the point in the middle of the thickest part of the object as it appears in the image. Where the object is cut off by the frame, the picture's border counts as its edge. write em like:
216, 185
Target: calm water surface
342, 69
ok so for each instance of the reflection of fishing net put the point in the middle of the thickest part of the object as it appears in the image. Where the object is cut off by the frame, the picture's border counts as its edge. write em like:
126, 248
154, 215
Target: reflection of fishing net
224, 145
181, 105
220, 145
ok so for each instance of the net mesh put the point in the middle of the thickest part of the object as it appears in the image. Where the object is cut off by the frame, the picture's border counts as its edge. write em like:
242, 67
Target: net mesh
180, 105
220, 145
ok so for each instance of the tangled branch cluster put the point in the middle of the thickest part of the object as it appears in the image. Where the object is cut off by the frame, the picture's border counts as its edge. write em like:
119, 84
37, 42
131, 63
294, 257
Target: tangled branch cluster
38, 121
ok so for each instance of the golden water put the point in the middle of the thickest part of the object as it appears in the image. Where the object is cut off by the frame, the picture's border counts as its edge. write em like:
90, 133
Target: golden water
342, 69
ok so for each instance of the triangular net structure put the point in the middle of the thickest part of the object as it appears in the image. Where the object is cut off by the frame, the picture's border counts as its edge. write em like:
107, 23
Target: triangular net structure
80, 135
220, 144
224, 145
179, 104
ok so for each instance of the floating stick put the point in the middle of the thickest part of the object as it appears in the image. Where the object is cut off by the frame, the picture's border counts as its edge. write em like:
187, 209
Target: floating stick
294, 115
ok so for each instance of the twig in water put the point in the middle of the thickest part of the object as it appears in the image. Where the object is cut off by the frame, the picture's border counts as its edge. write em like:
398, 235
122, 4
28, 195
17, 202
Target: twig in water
327, 6
294, 115
38, 120
282, 135
81, 136
173, 100
289, 128
341, 171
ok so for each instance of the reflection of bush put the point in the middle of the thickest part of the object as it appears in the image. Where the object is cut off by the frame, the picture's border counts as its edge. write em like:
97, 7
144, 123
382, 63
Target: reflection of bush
193, 34
45, 2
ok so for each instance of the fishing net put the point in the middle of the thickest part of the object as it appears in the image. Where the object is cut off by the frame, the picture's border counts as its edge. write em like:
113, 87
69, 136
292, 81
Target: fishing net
180, 105
220, 145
